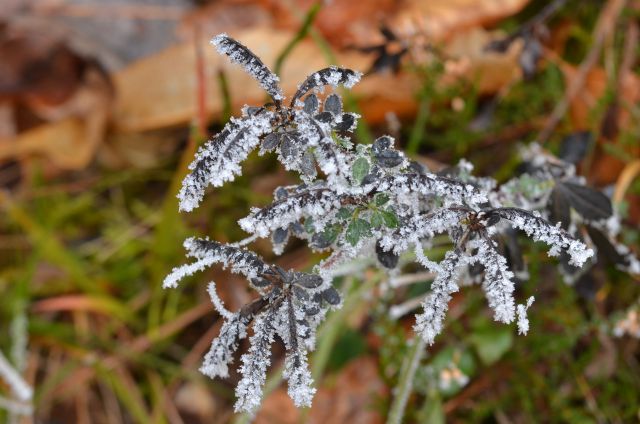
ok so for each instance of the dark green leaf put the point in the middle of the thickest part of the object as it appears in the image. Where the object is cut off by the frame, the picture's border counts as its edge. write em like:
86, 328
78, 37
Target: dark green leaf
357, 229
376, 220
390, 218
344, 213
381, 199
327, 237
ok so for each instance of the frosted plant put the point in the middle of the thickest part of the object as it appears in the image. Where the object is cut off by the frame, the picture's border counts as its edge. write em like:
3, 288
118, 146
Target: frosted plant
362, 201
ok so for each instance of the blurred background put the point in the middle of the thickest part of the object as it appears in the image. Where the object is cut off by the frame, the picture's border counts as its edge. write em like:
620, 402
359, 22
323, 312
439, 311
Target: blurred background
103, 103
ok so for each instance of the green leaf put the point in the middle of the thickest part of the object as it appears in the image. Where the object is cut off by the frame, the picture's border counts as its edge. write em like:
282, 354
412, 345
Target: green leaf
377, 220
357, 229
381, 199
344, 213
491, 343
360, 169
308, 225
330, 234
390, 218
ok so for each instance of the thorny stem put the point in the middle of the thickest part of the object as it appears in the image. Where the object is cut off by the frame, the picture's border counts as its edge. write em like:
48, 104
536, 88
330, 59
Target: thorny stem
405, 384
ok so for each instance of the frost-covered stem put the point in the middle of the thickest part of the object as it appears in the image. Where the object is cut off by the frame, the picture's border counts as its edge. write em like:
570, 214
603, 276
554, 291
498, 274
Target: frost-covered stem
405, 384
16, 383
14, 407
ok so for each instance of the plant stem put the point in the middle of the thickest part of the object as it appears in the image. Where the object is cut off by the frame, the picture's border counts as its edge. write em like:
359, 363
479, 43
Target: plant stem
417, 132
300, 35
405, 385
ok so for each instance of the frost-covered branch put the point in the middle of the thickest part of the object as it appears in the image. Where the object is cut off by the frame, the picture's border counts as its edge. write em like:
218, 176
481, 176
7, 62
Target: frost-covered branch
372, 205
20, 389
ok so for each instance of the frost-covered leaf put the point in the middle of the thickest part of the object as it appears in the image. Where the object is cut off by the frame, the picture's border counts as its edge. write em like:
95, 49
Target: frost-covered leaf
389, 158
218, 160
241, 55
429, 184
498, 281
376, 220
390, 218
344, 213
540, 230
360, 169
327, 237
429, 323
357, 229
331, 296
280, 235
271, 141
387, 258
308, 165
347, 122
333, 105
324, 117
311, 104
217, 360
332, 76
381, 144
309, 281
381, 199
208, 252
254, 365
309, 202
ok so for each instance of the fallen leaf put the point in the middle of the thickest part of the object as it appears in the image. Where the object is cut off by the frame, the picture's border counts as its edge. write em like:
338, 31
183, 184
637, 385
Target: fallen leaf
159, 91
